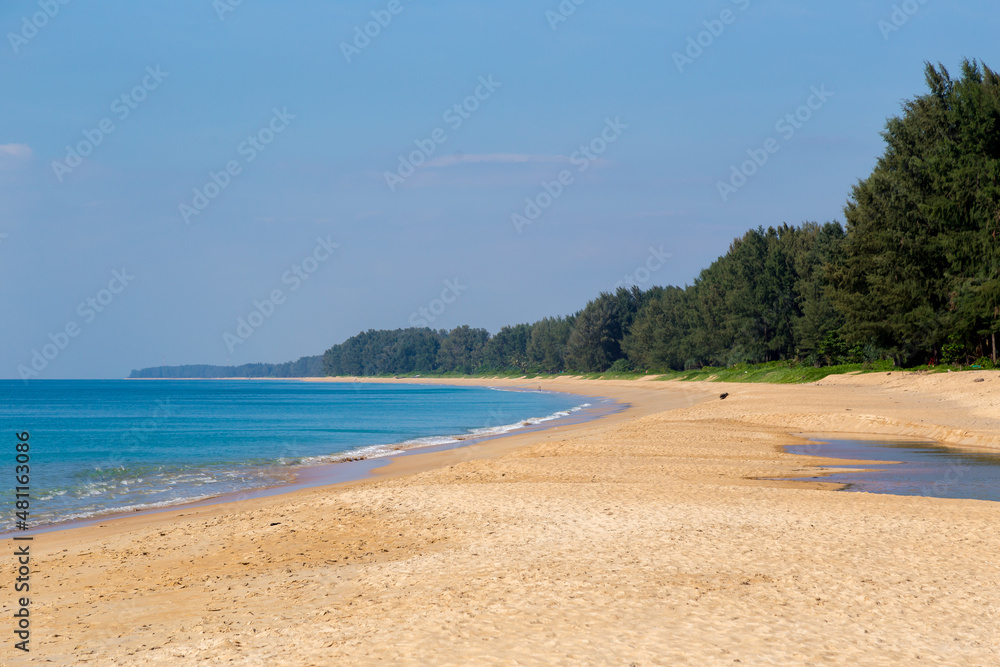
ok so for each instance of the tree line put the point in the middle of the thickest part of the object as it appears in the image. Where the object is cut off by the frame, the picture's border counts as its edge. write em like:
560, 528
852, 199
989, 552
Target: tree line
304, 367
766, 299
913, 277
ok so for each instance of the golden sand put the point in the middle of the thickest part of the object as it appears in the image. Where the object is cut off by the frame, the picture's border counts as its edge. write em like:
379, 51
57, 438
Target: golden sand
650, 537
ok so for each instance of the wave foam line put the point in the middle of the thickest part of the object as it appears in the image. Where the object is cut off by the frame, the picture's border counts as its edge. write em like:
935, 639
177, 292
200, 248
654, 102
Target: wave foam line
381, 451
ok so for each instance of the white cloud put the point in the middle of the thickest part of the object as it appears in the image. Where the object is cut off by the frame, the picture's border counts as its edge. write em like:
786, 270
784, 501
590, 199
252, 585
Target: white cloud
21, 151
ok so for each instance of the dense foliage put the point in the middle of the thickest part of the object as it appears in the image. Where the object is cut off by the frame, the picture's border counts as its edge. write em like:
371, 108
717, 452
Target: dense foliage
919, 272
913, 278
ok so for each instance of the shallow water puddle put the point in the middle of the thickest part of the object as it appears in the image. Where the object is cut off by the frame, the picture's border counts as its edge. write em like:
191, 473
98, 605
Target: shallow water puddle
920, 469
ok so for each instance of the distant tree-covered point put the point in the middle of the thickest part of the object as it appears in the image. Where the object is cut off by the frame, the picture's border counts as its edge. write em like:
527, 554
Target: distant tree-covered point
304, 367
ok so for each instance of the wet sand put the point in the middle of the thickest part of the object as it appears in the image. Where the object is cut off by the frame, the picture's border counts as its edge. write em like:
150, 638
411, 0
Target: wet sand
655, 536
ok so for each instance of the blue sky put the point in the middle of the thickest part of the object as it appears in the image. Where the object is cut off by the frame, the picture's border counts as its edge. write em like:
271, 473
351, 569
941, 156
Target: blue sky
206, 88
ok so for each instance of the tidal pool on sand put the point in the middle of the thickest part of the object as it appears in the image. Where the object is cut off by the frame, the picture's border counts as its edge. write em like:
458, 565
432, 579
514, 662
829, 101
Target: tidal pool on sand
920, 468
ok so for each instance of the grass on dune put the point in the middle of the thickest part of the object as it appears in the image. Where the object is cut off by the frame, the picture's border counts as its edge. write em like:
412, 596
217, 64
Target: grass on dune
775, 372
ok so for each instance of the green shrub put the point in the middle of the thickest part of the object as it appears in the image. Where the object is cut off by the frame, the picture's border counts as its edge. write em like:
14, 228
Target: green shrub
952, 351
621, 366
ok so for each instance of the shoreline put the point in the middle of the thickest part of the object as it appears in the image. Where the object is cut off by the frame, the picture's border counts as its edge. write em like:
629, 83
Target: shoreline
333, 473
372, 470
349, 472
656, 535
952, 435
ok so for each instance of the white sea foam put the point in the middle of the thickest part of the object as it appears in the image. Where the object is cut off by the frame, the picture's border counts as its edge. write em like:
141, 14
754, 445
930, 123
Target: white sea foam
382, 451
138, 507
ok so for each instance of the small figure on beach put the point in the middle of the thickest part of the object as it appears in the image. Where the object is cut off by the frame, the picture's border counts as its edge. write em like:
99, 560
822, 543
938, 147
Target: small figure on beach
723, 396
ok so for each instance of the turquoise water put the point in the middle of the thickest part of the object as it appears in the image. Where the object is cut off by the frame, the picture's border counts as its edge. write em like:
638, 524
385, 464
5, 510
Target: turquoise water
918, 469
117, 445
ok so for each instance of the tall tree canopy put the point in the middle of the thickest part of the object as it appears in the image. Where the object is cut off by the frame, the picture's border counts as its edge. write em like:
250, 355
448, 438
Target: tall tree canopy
919, 267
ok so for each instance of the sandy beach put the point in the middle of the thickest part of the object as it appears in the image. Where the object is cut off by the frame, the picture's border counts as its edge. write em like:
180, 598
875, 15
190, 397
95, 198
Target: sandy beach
654, 536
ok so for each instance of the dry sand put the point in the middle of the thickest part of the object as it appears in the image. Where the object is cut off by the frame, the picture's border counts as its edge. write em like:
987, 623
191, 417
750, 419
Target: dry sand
645, 538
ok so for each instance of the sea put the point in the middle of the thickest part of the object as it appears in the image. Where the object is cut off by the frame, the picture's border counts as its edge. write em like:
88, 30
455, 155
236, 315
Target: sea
101, 447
